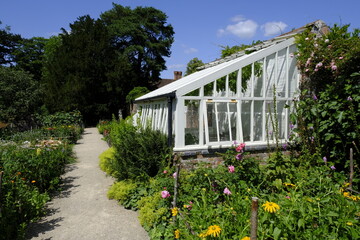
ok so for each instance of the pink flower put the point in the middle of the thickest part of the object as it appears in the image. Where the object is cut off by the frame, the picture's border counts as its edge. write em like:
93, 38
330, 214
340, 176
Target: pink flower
341, 57
240, 147
165, 194
324, 159
327, 40
227, 191
288, 197
333, 167
165, 172
320, 64
231, 169
174, 175
306, 38
334, 67
306, 70
238, 157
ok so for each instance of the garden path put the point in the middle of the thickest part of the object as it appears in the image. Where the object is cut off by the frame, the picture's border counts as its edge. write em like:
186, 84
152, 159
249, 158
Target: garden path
82, 210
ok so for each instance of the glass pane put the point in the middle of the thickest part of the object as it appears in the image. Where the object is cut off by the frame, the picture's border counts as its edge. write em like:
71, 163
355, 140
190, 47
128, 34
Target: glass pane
258, 120
245, 119
293, 73
221, 87
233, 120
270, 120
194, 93
258, 78
210, 108
281, 81
246, 87
223, 120
209, 89
191, 122
270, 74
232, 83
281, 118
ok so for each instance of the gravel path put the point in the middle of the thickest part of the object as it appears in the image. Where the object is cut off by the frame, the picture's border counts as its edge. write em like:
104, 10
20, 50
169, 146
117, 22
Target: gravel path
82, 210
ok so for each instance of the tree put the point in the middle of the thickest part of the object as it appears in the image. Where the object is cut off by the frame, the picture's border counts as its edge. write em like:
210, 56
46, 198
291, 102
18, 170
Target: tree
141, 37
8, 44
193, 65
93, 67
29, 55
19, 97
75, 70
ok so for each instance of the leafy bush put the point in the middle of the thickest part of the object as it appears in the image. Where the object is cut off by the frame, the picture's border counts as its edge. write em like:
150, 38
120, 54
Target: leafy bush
139, 153
31, 169
328, 110
107, 161
121, 191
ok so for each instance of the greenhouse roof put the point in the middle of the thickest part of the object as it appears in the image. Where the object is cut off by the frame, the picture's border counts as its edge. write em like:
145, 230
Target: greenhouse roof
215, 69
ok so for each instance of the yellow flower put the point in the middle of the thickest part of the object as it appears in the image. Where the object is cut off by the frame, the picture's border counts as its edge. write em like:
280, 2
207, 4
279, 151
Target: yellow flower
289, 185
174, 211
33, 181
245, 238
38, 151
213, 230
346, 194
203, 235
271, 207
177, 233
349, 223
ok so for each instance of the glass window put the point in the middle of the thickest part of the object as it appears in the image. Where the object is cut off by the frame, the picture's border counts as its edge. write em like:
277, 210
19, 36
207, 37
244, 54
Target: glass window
221, 87
246, 84
281, 71
270, 74
258, 120
195, 92
245, 119
258, 78
209, 89
233, 120
192, 122
233, 83
223, 121
211, 121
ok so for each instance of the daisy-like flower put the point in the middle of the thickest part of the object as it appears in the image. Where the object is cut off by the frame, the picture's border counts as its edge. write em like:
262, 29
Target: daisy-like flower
213, 230
177, 234
271, 207
174, 211
227, 191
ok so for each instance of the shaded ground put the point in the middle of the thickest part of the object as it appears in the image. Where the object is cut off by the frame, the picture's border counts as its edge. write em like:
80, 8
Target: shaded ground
82, 210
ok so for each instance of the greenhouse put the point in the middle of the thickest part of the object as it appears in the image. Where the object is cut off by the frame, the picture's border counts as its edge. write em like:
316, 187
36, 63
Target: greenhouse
231, 99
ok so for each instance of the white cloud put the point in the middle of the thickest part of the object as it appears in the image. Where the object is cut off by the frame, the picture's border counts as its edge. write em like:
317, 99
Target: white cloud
273, 28
238, 18
191, 50
176, 66
242, 29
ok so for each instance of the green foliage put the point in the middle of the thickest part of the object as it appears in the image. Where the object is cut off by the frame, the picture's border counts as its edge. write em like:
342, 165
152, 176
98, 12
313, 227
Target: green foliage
107, 161
328, 110
193, 65
139, 152
121, 191
62, 118
19, 97
8, 44
31, 169
135, 93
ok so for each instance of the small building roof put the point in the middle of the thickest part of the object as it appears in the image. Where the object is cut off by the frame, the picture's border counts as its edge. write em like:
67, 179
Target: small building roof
213, 70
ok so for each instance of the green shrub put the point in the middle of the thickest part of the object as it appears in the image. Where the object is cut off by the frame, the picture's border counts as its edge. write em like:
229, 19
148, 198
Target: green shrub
121, 191
107, 161
140, 153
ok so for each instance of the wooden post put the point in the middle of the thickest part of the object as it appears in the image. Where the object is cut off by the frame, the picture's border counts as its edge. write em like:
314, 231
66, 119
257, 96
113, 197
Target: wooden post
351, 168
1, 176
253, 220
176, 183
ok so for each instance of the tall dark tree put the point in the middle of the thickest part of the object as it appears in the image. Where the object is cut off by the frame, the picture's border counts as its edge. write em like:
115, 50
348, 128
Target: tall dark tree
142, 38
29, 56
94, 66
8, 44
76, 69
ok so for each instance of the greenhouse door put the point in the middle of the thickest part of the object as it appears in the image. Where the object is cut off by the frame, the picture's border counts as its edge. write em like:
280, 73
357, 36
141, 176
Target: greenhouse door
221, 122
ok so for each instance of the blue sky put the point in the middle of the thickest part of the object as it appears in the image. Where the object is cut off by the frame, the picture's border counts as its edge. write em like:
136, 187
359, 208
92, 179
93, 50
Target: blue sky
201, 27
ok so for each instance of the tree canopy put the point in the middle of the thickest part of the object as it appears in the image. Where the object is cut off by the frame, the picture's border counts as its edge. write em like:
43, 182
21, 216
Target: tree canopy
98, 62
